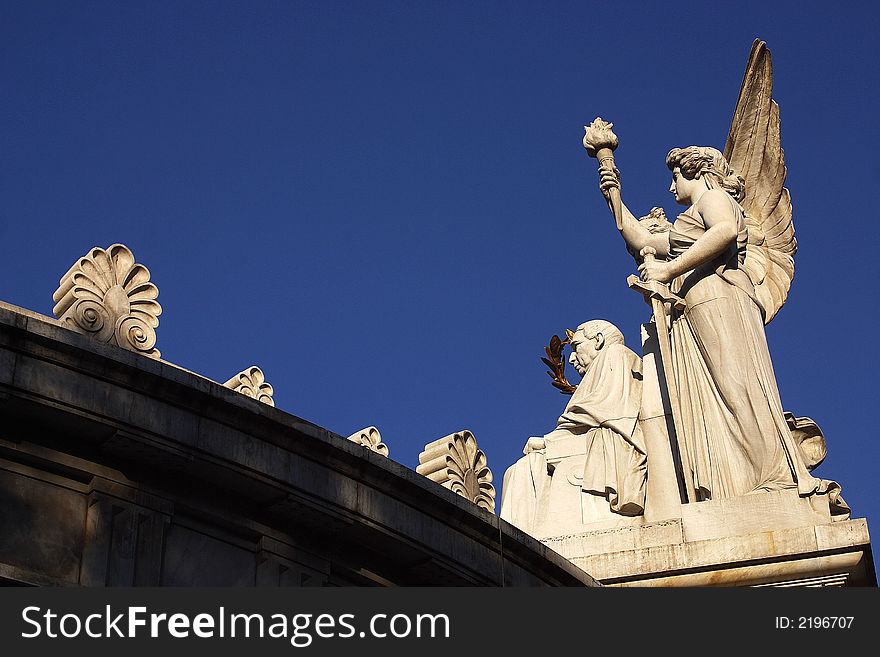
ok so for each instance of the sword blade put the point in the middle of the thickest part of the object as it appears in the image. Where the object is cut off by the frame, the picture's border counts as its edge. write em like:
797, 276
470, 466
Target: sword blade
665, 342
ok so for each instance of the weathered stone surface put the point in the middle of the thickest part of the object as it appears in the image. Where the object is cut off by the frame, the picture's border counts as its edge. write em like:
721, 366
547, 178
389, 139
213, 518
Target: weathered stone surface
768, 538
618, 539
162, 476
196, 559
124, 542
41, 525
770, 511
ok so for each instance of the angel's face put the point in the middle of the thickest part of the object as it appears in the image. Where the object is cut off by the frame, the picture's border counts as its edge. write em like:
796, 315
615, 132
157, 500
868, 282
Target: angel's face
684, 189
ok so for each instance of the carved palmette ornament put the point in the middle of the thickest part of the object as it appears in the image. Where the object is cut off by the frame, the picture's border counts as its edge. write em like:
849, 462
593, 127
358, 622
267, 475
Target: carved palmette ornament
109, 297
252, 383
456, 463
371, 439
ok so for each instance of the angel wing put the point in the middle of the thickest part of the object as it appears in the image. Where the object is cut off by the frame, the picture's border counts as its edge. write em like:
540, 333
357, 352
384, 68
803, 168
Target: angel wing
754, 152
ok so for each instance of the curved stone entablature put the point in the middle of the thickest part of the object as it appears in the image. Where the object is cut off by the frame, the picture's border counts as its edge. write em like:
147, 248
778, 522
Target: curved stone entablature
252, 383
109, 297
371, 439
456, 463
120, 470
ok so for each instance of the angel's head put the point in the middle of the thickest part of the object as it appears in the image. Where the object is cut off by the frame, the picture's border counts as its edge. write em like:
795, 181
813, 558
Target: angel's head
702, 167
589, 339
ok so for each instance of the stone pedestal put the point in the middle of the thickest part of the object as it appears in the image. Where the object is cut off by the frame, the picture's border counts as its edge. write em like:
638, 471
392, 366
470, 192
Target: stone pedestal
774, 538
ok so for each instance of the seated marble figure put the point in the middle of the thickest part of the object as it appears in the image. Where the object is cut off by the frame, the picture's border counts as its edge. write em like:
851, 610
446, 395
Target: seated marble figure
592, 467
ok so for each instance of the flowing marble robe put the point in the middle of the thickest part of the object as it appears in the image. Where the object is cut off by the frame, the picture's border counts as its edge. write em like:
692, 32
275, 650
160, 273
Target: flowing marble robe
605, 408
735, 431
603, 412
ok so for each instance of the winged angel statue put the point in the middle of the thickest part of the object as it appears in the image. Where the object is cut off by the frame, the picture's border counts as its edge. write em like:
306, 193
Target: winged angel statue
730, 257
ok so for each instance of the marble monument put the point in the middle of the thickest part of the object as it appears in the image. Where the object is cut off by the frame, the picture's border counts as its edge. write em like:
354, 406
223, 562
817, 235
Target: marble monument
683, 467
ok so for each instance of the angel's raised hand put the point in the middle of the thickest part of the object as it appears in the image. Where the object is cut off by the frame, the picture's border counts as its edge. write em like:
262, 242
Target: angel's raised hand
609, 178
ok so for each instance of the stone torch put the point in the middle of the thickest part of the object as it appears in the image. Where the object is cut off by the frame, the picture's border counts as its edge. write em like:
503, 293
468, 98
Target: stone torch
600, 143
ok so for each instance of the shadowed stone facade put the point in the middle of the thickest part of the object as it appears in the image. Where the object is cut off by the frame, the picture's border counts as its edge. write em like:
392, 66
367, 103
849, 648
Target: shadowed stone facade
120, 470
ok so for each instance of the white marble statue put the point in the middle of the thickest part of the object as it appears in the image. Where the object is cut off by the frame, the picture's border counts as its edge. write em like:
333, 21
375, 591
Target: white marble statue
729, 255
592, 467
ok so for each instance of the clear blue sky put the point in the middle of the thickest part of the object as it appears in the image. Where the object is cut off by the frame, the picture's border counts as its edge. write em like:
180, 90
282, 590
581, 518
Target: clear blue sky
387, 207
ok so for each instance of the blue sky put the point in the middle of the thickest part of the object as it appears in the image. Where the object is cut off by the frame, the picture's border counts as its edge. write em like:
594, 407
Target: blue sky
387, 207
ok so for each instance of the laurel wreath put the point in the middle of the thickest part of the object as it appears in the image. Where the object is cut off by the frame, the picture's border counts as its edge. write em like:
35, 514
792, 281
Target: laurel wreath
556, 363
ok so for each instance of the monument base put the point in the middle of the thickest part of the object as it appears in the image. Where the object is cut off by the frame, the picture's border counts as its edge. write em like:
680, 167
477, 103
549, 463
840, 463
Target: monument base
765, 539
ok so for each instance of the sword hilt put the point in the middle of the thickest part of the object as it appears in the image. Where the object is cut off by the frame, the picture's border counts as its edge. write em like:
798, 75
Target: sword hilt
654, 289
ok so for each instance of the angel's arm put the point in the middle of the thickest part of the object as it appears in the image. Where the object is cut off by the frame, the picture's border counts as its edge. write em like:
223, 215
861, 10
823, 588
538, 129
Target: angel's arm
720, 221
638, 237
634, 234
